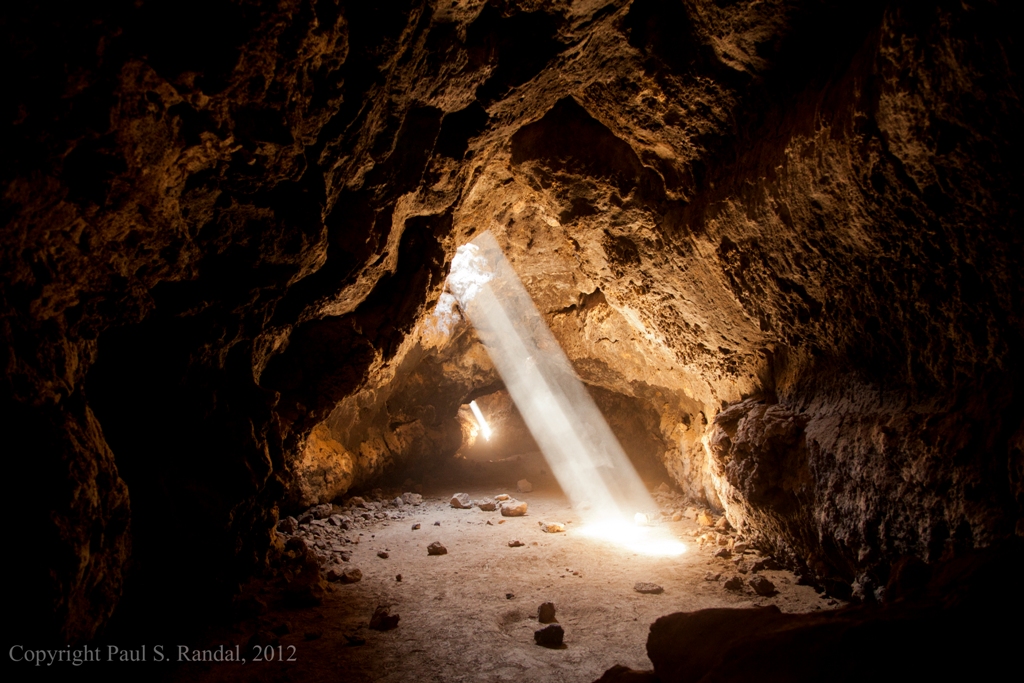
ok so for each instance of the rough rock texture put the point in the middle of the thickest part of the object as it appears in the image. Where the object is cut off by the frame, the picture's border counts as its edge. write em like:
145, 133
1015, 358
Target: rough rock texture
936, 633
778, 238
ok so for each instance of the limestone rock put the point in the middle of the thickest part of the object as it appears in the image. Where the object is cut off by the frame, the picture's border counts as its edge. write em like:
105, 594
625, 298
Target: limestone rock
486, 505
524, 486
412, 498
648, 588
551, 527
460, 501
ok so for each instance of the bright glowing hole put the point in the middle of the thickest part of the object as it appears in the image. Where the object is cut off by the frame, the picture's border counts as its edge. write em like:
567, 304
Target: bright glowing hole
485, 429
640, 539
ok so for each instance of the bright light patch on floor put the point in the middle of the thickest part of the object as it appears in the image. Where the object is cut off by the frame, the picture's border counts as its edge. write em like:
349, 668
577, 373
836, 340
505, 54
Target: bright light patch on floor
485, 428
580, 449
643, 540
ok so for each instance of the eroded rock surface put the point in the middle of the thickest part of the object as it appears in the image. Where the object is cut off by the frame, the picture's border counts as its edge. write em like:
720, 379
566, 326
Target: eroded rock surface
778, 239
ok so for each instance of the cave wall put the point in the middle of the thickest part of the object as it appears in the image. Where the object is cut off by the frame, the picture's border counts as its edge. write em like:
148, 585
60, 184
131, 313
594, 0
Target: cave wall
788, 227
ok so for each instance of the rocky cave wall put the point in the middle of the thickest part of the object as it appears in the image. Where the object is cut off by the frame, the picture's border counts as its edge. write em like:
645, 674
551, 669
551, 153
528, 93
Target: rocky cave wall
787, 229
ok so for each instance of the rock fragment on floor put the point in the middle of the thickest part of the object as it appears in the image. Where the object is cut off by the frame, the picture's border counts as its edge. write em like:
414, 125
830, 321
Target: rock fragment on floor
436, 548
515, 543
502, 497
383, 620
712, 576
524, 486
415, 527
762, 586
734, 583
551, 527
486, 505
383, 554
461, 501
704, 518
412, 498
514, 508
546, 613
549, 636
648, 588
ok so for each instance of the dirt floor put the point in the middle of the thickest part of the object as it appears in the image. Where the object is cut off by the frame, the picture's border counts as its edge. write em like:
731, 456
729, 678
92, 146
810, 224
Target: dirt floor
470, 615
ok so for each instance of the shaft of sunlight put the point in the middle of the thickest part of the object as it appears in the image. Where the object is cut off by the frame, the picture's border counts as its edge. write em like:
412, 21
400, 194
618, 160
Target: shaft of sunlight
580, 448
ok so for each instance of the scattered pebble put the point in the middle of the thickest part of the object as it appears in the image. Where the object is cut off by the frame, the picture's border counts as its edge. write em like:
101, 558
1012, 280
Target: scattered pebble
486, 505
648, 588
398, 578
502, 497
762, 586
461, 501
515, 543
549, 636
514, 508
734, 583
551, 527
438, 523
436, 548
415, 527
704, 518
546, 613
740, 548
724, 554
382, 554
382, 620
509, 596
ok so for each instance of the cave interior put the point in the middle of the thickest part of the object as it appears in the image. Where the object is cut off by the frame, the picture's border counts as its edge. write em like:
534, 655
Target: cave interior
772, 240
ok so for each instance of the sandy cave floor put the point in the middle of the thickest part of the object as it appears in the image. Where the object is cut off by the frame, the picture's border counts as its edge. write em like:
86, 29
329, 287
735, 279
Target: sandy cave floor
457, 621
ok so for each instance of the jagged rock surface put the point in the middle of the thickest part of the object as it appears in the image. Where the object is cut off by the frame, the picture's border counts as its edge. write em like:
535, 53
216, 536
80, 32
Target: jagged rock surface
783, 233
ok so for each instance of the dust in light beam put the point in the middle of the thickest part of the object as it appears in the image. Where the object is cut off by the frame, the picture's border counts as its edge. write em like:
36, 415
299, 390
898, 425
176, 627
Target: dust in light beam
580, 448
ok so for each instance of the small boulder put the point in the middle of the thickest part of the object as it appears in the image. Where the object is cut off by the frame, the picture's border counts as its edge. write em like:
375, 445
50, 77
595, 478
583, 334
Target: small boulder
502, 497
487, 505
436, 548
398, 502
514, 508
648, 588
340, 574
357, 501
460, 501
762, 586
549, 636
288, 525
704, 518
546, 613
723, 524
415, 527
335, 520
305, 518
740, 548
724, 554
412, 498
551, 527
524, 486
677, 516
516, 543
382, 620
